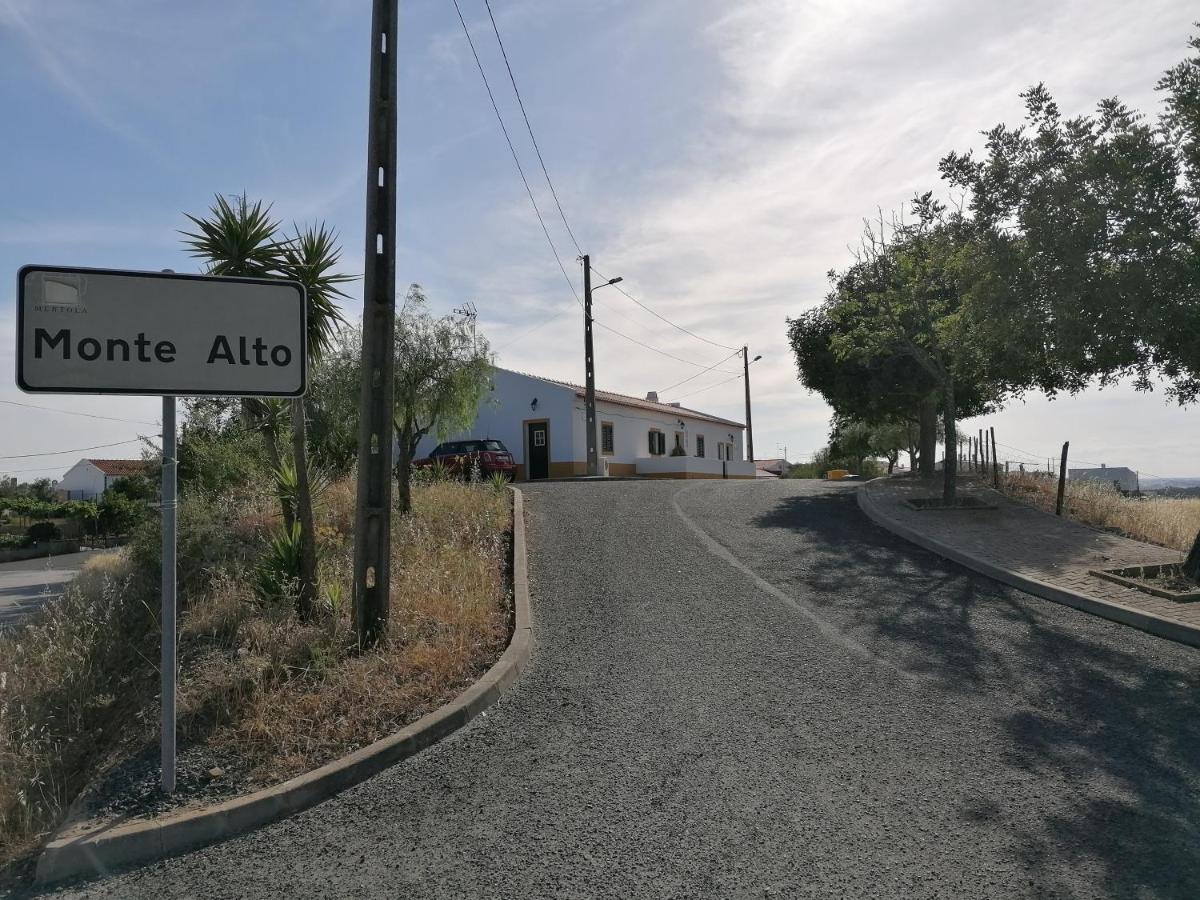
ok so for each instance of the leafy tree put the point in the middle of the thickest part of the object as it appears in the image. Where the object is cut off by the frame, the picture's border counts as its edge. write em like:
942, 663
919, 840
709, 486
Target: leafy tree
1105, 211
118, 514
443, 371
42, 489
887, 387
135, 487
332, 402
242, 239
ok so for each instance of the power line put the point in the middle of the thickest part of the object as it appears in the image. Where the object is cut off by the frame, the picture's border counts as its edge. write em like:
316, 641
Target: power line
69, 412
664, 318
529, 191
513, 151
529, 128
75, 450
709, 388
529, 331
698, 374
648, 347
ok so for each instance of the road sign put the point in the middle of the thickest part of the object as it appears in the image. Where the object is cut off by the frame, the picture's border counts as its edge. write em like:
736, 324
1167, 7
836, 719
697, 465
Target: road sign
106, 331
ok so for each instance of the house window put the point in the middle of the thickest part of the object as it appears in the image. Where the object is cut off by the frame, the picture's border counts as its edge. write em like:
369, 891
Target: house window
539, 438
606, 438
700, 445
720, 450
658, 443
680, 448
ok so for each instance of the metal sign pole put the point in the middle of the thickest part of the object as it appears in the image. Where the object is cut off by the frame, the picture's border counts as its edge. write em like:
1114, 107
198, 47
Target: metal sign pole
168, 663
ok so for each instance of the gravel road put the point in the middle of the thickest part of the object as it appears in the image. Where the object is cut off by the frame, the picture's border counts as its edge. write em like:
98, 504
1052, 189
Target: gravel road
26, 585
747, 690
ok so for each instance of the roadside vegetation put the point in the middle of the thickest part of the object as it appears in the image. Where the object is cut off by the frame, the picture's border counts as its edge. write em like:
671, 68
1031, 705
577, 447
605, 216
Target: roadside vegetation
1067, 256
273, 681
1167, 521
279, 693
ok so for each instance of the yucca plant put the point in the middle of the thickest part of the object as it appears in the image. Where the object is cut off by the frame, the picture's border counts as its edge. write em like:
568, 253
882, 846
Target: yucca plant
277, 575
242, 238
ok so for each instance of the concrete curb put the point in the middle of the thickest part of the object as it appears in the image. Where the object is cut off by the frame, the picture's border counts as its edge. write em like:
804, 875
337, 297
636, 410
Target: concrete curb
82, 852
1116, 612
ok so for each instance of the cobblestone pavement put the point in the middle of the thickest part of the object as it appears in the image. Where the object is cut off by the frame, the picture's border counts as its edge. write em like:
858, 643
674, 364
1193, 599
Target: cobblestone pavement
1034, 543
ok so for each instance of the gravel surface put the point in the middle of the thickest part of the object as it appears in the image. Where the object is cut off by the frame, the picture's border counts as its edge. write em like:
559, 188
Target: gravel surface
746, 689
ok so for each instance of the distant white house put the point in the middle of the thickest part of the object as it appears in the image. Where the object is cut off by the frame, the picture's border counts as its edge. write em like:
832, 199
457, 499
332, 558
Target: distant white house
1124, 479
89, 478
771, 468
541, 422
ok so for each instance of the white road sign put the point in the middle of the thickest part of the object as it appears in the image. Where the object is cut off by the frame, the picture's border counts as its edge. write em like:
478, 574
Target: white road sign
103, 331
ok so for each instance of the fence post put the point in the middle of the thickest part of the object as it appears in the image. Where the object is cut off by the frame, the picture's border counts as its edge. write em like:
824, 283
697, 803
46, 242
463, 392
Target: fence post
1062, 479
995, 465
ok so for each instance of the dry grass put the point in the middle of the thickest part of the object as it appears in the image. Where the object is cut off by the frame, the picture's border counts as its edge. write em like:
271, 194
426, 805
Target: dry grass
78, 685
1167, 521
449, 621
65, 684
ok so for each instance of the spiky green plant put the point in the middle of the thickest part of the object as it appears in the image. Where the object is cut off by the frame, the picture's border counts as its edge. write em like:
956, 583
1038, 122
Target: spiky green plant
241, 238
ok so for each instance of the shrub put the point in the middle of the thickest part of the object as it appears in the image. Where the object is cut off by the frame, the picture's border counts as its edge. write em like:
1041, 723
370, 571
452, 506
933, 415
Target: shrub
40, 532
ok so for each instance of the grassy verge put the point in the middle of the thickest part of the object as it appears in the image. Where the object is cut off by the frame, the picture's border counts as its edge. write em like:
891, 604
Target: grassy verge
1167, 521
79, 683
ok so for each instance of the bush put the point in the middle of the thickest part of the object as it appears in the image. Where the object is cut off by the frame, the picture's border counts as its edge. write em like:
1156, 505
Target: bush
40, 532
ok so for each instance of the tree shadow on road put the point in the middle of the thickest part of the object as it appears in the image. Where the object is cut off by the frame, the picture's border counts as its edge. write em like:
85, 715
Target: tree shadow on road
1106, 715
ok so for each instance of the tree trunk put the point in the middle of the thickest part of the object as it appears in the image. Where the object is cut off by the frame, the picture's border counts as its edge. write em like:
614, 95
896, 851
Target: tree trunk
306, 599
1191, 566
404, 469
950, 470
891, 458
928, 436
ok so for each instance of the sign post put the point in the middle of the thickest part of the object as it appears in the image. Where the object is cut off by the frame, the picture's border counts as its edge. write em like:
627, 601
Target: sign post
168, 665
107, 331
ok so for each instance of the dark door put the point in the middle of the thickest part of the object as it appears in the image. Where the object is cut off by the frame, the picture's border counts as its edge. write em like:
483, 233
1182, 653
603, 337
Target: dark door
537, 449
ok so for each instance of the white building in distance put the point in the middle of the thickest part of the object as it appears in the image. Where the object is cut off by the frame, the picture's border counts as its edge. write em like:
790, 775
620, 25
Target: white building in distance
89, 478
541, 422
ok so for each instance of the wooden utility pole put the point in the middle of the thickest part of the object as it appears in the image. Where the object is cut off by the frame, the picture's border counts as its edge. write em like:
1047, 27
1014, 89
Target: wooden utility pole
373, 513
589, 366
749, 426
1062, 480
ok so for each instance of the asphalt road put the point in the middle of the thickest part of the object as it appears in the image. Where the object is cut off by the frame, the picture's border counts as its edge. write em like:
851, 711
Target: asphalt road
747, 690
25, 585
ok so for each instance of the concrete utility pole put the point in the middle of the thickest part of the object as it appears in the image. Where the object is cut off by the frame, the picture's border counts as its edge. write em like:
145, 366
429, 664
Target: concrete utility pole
373, 513
589, 367
749, 426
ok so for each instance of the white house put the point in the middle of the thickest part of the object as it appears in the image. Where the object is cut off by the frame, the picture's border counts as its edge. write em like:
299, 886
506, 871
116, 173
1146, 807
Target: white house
541, 421
89, 478
1123, 478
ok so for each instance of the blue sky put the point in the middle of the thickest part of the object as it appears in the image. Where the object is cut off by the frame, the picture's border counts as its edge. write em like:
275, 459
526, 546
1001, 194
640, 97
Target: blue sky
719, 156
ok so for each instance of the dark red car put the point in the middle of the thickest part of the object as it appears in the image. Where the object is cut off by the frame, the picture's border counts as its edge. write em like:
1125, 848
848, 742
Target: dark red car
460, 456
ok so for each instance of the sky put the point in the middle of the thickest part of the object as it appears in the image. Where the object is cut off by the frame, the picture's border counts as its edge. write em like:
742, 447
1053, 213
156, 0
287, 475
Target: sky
720, 157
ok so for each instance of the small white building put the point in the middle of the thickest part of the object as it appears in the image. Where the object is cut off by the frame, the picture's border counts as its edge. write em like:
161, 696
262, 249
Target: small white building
1119, 476
89, 478
541, 422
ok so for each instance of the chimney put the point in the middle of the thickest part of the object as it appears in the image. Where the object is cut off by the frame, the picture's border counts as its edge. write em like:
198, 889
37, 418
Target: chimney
1103, 466
652, 396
